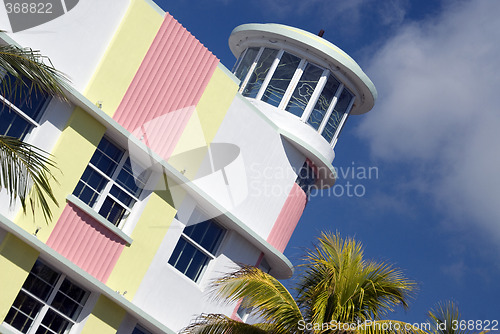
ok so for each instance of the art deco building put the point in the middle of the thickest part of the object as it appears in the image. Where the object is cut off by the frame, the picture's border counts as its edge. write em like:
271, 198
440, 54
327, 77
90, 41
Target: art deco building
173, 169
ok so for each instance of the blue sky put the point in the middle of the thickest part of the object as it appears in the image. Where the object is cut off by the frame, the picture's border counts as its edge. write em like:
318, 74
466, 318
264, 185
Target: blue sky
434, 207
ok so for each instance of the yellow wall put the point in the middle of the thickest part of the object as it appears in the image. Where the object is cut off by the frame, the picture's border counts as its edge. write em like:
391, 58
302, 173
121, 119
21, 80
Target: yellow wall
215, 102
204, 123
72, 152
105, 318
161, 207
147, 235
16, 261
124, 55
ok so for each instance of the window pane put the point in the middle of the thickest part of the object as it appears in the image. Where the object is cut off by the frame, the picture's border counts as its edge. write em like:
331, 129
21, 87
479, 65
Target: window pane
337, 114
260, 72
22, 312
306, 178
140, 330
112, 211
106, 157
29, 102
281, 78
188, 259
86, 194
304, 89
134, 180
13, 125
90, 186
245, 64
122, 196
181, 255
54, 323
195, 268
207, 234
41, 280
324, 100
25, 309
69, 299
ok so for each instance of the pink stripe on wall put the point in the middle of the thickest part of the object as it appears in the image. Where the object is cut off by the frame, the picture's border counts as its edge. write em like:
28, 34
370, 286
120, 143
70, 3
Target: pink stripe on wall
85, 242
288, 218
166, 88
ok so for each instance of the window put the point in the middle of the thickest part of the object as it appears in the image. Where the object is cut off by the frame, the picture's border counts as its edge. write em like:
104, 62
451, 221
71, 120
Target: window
21, 109
304, 89
47, 303
110, 185
324, 101
140, 330
245, 62
306, 178
288, 82
259, 72
281, 78
341, 107
196, 247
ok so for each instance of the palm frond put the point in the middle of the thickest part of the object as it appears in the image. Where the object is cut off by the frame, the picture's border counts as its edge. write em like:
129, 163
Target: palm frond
24, 167
445, 318
221, 324
268, 298
29, 68
337, 283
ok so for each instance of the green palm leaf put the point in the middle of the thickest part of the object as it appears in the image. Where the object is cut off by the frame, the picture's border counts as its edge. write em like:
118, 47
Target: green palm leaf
221, 324
445, 318
24, 167
25, 63
268, 298
338, 284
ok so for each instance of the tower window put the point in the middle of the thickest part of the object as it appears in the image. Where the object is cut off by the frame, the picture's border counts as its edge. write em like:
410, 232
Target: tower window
308, 91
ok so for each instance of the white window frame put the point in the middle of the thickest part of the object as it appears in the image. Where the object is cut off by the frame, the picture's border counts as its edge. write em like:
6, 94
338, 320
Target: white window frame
195, 244
327, 72
111, 181
37, 320
13, 108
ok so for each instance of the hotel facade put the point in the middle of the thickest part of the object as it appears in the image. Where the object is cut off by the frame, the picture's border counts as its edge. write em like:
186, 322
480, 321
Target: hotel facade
172, 168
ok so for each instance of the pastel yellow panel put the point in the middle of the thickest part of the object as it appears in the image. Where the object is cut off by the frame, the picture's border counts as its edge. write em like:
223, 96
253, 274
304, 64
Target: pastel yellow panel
72, 153
16, 261
147, 235
124, 55
215, 102
105, 318
191, 149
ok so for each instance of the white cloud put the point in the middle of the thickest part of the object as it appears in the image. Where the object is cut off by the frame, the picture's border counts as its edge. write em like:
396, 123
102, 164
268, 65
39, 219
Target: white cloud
438, 83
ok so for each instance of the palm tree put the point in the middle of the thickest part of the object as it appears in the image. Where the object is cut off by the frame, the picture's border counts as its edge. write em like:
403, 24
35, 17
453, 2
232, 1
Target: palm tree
339, 284
445, 319
338, 291
25, 170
